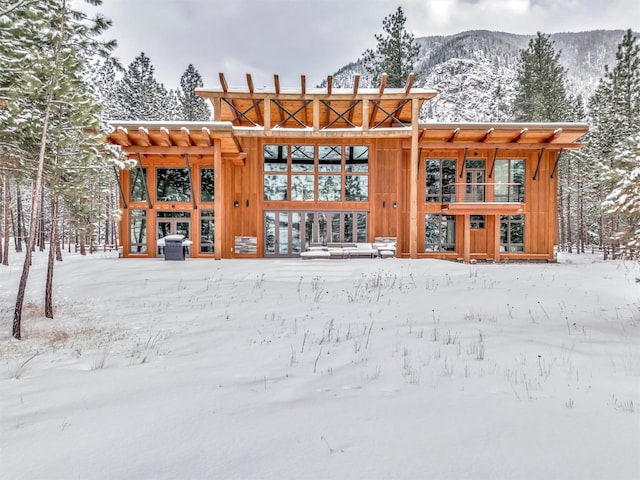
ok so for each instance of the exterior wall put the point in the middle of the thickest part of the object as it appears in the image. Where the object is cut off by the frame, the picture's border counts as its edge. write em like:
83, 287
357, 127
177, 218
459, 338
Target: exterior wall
388, 205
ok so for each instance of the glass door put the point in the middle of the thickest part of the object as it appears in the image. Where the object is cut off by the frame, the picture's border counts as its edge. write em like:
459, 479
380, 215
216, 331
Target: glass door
172, 223
475, 184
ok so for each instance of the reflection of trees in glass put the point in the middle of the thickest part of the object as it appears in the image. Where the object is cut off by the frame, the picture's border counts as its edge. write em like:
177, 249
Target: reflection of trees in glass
440, 177
275, 158
439, 233
335, 227
322, 228
206, 185
302, 158
330, 158
361, 227
329, 188
348, 227
138, 179
173, 185
207, 231
302, 187
512, 233
275, 187
357, 159
270, 233
308, 229
356, 188
296, 234
138, 222
509, 171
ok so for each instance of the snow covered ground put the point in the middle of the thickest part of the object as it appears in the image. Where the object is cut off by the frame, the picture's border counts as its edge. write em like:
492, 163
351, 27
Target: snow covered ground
322, 369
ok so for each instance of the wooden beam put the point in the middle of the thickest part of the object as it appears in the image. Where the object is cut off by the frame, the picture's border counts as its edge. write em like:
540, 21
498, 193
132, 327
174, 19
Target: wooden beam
250, 83
223, 82
356, 83
303, 84
184, 132
329, 84
413, 184
165, 138
218, 206
144, 181
553, 136
276, 83
121, 136
206, 135
145, 141
174, 150
410, 79
444, 145
453, 136
486, 135
383, 83
464, 162
518, 138
466, 248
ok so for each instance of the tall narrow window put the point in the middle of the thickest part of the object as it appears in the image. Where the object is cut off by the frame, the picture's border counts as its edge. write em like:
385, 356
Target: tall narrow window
138, 178
207, 192
440, 233
138, 232
330, 178
512, 233
302, 177
275, 172
440, 180
207, 230
509, 180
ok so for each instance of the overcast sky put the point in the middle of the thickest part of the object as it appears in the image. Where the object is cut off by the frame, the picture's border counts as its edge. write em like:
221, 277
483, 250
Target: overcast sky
316, 37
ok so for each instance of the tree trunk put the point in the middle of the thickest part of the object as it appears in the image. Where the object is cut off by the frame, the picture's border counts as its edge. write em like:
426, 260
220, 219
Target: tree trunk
48, 294
41, 236
7, 213
22, 287
20, 222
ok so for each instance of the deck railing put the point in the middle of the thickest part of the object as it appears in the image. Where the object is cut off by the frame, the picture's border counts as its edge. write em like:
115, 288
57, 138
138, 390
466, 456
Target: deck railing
483, 192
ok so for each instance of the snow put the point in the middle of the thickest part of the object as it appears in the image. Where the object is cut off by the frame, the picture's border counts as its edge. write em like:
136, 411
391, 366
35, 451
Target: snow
350, 369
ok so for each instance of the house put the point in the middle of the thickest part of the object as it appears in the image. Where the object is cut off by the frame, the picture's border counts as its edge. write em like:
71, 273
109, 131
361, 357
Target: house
278, 170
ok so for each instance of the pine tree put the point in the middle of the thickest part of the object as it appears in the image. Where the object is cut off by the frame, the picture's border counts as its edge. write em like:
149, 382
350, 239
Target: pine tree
50, 105
614, 110
541, 84
139, 95
191, 106
395, 54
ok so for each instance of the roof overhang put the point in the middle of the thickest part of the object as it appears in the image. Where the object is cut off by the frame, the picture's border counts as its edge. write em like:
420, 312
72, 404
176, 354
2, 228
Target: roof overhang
502, 135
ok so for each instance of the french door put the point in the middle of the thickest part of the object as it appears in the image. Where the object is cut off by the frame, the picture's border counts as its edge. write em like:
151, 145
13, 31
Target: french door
288, 233
172, 223
475, 181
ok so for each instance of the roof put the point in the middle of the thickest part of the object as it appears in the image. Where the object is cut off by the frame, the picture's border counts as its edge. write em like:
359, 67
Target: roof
329, 113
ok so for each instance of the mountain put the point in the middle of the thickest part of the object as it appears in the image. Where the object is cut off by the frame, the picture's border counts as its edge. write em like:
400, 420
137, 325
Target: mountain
475, 71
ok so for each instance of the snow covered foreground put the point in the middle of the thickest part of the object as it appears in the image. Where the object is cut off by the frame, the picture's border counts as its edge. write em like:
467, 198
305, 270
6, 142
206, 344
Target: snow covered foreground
322, 369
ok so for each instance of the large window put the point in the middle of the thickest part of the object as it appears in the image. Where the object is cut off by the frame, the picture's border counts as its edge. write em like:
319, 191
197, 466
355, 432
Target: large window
512, 233
326, 173
440, 233
138, 231
173, 185
138, 184
207, 228
207, 192
440, 180
509, 181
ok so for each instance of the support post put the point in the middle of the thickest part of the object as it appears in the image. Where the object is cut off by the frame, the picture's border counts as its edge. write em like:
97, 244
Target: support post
144, 181
496, 238
467, 238
413, 190
218, 217
122, 197
193, 192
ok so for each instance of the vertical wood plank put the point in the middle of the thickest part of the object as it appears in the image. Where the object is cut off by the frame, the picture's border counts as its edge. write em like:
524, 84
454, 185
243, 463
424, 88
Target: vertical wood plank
413, 191
219, 199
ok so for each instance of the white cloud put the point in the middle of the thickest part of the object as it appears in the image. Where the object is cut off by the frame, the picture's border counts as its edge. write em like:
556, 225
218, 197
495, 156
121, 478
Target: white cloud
294, 37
